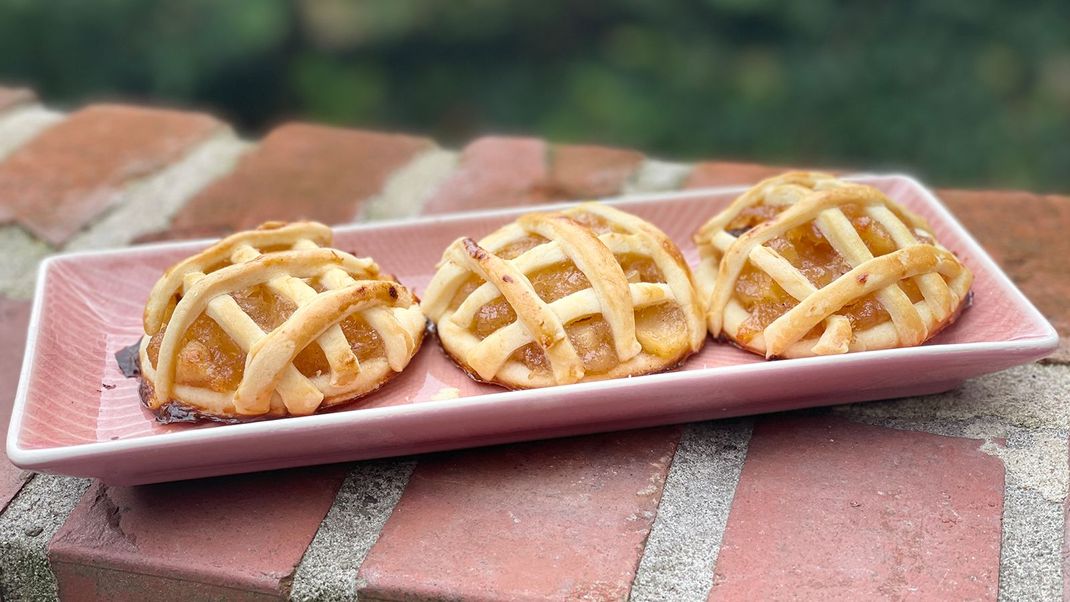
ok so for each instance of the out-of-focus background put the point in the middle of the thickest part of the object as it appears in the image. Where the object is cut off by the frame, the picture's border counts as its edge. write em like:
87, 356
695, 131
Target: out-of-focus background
961, 92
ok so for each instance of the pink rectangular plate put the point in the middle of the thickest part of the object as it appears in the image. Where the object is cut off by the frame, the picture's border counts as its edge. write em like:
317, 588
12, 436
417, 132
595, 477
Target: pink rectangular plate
75, 413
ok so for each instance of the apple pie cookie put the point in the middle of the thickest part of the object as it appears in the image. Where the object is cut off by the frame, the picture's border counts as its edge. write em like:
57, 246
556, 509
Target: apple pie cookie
587, 293
806, 264
273, 322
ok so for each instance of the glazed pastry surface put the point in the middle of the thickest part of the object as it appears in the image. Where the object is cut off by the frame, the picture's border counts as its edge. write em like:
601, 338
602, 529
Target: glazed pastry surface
273, 322
806, 264
587, 293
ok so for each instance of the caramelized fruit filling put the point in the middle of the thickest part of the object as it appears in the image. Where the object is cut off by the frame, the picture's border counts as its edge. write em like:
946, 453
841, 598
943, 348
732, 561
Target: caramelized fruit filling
593, 341
558, 281
266, 308
639, 268
472, 283
362, 338
872, 232
750, 217
763, 298
865, 313
662, 329
210, 359
493, 316
517, 248
532, 356
207, 357
806, 248
365, 341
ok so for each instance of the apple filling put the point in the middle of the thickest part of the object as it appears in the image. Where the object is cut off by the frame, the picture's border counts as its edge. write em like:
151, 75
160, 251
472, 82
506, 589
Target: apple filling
208, 358
661, 329
806, 248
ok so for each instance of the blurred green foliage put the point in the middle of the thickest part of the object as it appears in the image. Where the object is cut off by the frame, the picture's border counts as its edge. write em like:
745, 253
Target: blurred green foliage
962, 92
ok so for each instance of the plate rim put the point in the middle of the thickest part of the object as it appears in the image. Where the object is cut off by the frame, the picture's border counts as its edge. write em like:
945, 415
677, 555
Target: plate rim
29, 458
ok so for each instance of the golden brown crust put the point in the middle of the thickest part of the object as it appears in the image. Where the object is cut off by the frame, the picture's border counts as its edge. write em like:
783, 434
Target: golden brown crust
267, 235
633, 369
804, 199
174, 411
287, 260
567, 238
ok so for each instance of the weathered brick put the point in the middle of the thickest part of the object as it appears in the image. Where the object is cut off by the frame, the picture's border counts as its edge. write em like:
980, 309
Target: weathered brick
300, 171
81, 583
494, 172
831, 509
74, 171
19, 126
14, 315
590, 172
234, 534
501, 171
562, 519
14, 97
724, 173
1026, 234
12, 478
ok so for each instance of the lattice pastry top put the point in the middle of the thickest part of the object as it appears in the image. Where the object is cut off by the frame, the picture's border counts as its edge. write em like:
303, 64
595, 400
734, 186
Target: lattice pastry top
272, 322
554, 298
805, 264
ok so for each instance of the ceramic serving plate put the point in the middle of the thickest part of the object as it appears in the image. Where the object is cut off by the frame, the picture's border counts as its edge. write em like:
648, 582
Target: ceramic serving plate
76, 414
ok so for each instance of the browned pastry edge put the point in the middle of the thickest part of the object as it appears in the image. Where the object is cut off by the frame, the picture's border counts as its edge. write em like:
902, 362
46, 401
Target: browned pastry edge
669, 367
176, 412
967, 302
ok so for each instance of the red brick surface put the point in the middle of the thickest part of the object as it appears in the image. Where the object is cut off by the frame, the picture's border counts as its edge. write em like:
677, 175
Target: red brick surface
81, 583
12, 478
1026, 234
724, 173
13, 97
14, 315
825, 508
69, 174
504, 172
300, 171
181, 540
563, 519
590, 172
830, 509
495, 172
